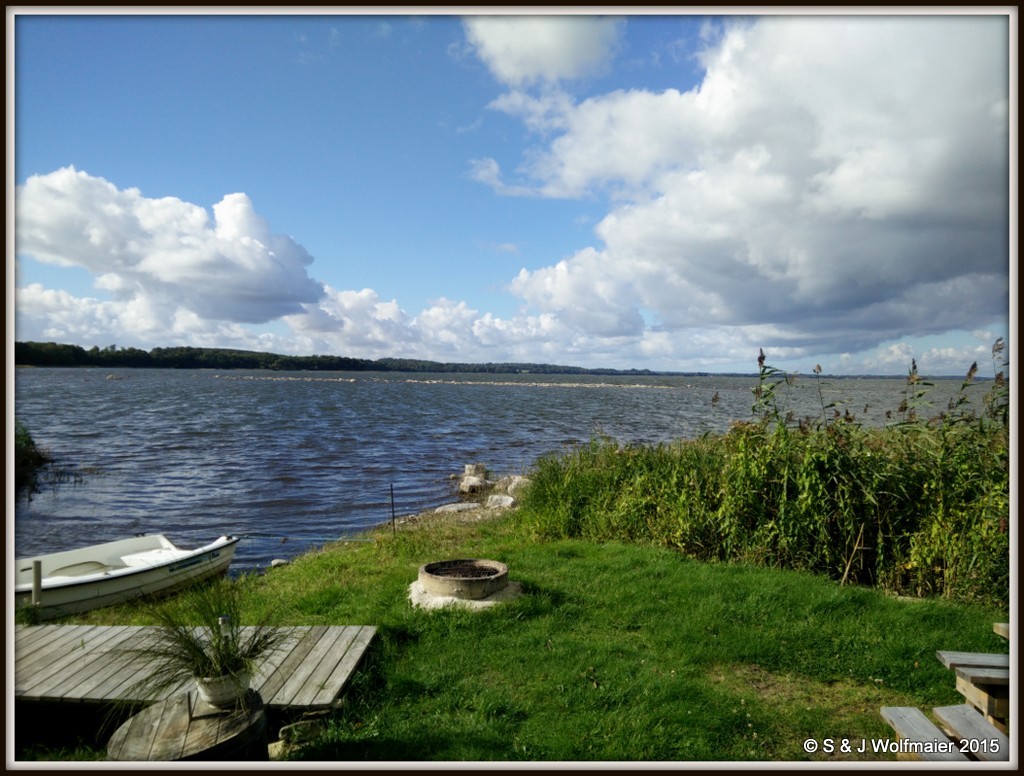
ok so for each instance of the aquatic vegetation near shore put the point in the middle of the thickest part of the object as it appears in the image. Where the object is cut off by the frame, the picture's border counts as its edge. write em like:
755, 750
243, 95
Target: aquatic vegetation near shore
34, 466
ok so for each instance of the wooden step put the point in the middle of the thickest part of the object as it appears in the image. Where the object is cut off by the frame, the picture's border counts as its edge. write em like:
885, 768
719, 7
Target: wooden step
978, 737
954, 660
912, 725
983, 674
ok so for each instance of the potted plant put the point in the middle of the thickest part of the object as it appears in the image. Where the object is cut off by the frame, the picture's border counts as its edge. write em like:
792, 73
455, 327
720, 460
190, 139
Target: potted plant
199, 635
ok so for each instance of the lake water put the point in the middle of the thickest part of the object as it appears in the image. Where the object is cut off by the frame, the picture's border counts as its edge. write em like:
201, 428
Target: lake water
290, 461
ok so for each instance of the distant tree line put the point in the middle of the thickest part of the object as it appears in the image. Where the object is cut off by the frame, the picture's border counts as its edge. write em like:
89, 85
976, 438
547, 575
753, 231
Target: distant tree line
54, 354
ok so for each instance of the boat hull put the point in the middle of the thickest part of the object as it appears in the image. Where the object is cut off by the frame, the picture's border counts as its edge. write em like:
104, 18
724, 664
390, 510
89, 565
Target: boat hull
77, 581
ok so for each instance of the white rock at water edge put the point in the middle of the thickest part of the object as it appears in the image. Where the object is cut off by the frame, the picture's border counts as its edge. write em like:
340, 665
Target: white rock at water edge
514, 485
472, 483
462, 506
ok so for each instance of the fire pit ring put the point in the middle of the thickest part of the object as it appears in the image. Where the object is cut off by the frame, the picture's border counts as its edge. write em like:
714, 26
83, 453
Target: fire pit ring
465, 578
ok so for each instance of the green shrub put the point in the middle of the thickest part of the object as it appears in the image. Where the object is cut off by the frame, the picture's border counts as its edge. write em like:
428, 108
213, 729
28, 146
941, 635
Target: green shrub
28, 458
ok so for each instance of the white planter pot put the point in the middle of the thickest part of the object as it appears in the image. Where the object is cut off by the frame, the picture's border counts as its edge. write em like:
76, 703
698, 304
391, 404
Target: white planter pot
223, 691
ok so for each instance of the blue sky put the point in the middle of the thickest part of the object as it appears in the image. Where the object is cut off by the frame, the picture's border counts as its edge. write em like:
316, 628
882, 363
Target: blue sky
670, 192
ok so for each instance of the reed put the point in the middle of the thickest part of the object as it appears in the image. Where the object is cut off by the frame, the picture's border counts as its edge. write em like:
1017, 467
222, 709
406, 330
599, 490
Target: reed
919, 507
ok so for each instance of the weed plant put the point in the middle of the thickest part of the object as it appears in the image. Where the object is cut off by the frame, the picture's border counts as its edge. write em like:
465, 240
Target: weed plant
919, 507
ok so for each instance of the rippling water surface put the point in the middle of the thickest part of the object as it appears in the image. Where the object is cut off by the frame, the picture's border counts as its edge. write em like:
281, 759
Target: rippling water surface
292, 460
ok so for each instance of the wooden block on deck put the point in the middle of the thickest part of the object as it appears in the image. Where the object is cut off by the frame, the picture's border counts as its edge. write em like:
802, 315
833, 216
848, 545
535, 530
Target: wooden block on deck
979, 737
911, 724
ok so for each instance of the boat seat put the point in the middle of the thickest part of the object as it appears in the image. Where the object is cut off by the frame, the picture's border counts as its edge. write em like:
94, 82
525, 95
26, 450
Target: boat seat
152, 557
81, 569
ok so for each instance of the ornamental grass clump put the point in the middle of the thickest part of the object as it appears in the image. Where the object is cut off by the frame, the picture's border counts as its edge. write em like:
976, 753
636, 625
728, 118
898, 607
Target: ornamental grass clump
200, 634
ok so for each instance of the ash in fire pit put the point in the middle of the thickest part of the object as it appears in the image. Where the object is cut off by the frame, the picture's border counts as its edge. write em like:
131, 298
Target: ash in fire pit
464, 581
465, 569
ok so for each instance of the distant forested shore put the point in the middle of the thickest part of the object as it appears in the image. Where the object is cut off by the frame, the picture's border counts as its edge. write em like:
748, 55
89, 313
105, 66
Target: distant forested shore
55, 354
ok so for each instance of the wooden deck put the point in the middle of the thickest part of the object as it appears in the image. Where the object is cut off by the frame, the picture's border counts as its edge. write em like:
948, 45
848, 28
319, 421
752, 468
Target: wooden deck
88, 664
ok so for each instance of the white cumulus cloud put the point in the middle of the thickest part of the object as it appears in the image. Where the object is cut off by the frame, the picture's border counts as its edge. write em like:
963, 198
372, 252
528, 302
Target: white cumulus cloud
159, 256
835, 182
521, 50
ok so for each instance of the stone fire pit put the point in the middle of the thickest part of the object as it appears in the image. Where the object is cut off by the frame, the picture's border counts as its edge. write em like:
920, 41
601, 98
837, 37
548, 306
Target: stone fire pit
464, 582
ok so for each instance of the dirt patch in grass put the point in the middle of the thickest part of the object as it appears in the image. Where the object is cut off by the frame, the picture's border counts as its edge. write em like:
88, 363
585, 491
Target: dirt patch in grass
794, 706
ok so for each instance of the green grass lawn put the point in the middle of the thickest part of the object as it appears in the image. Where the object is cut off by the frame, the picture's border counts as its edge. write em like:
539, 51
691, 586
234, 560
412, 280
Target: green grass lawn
615, 652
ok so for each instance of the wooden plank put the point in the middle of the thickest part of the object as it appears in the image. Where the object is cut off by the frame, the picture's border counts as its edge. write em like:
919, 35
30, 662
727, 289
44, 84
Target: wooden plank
141, 737
272, 661
1002, 628
331, 649
31, 637
303, 673
979, 675
978, 736
176, 726
352, 657
57, 641
63, 657
121, 671
151, 739
911, 724
107, 658
64, 673
269, 688
30, 644
315, 669
109, 669
982, 659
197, 737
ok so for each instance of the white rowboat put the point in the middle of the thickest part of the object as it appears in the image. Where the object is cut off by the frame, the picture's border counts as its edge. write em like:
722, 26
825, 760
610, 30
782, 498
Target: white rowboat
104, 574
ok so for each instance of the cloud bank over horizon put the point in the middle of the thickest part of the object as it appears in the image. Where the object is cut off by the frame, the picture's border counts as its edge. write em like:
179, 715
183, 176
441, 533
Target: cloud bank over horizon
831, 186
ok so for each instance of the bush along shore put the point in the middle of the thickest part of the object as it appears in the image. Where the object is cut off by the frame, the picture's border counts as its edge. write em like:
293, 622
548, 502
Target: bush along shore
28, 458
721, 599
918, 508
